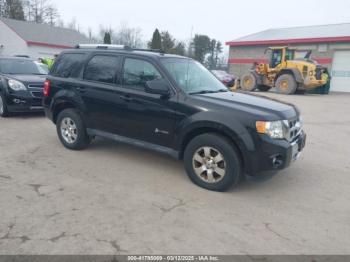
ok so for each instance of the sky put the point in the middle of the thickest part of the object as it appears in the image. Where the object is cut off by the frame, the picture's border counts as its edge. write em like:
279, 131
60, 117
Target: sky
223, 20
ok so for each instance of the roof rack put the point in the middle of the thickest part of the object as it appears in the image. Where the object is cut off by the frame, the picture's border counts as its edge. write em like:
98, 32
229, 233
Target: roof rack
149, 50
119, 47
100, 46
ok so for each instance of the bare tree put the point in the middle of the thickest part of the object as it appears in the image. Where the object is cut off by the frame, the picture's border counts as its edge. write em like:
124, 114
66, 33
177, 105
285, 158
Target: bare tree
51, 15
12, 9
41, 11
129, 36
73, 24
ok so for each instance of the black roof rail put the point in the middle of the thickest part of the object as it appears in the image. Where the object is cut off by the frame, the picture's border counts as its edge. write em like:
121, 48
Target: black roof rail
99, 46
119, 47
149, 50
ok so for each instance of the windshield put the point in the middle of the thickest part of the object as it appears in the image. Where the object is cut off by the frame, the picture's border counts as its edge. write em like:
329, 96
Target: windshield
21, 67
192, 77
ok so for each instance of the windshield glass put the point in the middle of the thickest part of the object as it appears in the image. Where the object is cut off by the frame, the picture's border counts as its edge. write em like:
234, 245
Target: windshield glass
192, 77
21, 67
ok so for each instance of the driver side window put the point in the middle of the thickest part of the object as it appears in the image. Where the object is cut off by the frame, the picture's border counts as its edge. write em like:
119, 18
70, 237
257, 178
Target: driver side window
276, 58
137, 72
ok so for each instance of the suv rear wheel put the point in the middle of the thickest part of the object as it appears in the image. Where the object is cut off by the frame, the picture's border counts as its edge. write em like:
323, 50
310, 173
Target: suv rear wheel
212, 162
71, 130
3, 108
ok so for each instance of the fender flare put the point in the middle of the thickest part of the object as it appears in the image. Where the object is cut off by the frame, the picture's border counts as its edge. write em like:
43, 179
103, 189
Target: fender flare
65, 99
292, 71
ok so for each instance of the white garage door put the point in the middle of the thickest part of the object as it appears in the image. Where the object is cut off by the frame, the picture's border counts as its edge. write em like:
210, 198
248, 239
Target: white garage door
341, 72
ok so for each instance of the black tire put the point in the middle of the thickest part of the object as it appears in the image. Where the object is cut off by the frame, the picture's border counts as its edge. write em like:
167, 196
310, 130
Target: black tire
3, 107
248, 82
82, 140
264, 88
286, 84
231, 162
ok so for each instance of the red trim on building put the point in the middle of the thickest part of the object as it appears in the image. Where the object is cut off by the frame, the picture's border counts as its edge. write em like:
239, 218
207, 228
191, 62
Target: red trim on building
265, 61
323, 60
246, 61
291, 41
47, 45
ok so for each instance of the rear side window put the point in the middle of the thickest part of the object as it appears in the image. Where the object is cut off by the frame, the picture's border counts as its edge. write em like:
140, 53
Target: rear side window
68, 65
102, 68
137, 72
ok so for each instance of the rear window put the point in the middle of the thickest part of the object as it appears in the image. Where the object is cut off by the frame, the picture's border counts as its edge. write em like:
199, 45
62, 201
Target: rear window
20, 67
102, 68
68, 65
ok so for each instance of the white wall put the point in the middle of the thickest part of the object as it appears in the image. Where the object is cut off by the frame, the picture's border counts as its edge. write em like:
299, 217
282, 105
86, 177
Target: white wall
36, 52
12, 44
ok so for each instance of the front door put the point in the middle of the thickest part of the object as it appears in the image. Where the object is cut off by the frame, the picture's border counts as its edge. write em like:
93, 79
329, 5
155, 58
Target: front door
147, 117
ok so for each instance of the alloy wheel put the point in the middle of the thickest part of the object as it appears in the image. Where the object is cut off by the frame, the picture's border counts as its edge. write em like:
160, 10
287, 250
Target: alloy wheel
69, 130
209, 164
1, 106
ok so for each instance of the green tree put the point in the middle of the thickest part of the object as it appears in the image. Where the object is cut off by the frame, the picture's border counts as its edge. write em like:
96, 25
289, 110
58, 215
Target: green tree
168, 42
107, 38
218, 51
201, 46
179, 49
211, 62
156, 42
214, 52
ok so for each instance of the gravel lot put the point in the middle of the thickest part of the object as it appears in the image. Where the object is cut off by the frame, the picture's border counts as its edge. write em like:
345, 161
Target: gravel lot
118, 199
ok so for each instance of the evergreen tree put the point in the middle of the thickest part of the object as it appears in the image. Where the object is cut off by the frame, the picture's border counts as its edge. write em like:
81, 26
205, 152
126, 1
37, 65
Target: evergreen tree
201, 46
107, 38
168, 42
156, 42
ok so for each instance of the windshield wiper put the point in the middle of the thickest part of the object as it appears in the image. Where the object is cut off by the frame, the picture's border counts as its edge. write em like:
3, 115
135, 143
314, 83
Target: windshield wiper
208, 92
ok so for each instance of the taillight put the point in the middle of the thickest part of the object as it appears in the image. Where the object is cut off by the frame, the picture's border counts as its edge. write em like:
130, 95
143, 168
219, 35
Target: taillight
47, 86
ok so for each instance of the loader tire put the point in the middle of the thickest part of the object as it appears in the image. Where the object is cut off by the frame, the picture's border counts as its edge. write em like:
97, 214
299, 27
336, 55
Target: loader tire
286, 84
248, 82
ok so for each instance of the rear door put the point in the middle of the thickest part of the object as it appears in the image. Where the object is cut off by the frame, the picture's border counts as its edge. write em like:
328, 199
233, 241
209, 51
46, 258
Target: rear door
97, 89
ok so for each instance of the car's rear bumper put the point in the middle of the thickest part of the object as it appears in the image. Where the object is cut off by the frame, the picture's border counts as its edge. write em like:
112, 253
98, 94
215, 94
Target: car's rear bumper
274, 155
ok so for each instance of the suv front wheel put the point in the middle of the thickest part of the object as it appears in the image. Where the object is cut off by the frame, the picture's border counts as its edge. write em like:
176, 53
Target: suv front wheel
212, 162
71, 130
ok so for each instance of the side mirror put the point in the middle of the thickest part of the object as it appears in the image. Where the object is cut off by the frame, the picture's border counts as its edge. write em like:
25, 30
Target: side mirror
157, 87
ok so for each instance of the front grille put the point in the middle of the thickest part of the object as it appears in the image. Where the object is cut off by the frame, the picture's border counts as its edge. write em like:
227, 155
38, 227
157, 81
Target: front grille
318, 73
294, 128
36, 90
305, 71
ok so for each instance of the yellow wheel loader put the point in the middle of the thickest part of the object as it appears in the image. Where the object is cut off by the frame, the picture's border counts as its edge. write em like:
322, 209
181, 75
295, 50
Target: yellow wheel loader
285, 72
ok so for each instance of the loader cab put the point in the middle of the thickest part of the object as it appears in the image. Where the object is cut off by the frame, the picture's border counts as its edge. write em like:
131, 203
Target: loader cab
280, 55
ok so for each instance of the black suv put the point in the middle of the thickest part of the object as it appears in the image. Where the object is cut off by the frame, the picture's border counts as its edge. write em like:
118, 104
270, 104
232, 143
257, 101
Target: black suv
173, 105
21, 85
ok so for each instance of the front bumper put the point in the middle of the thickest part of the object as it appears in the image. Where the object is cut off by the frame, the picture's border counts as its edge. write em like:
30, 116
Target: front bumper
313, 83
23, 101
274, 155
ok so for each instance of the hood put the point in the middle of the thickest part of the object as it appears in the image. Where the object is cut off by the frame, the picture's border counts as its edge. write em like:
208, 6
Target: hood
263, 107
28, 78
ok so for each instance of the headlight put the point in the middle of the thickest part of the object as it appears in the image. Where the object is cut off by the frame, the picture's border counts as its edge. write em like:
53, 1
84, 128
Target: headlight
16, 85
272, 129
311, 73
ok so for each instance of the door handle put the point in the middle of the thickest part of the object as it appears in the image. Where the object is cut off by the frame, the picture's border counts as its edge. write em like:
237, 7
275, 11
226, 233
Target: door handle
81, 89
126, 98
